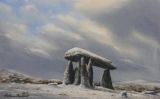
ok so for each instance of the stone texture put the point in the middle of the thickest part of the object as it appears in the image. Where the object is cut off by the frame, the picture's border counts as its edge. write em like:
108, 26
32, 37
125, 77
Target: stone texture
77, 78
69, 74
106, 79
90, 72
84, 74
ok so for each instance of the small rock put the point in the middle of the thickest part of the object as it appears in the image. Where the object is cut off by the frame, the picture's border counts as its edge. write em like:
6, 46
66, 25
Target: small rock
124, 94
21, 94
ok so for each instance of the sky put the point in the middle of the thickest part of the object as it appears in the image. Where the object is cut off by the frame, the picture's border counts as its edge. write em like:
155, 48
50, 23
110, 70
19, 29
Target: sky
35, 34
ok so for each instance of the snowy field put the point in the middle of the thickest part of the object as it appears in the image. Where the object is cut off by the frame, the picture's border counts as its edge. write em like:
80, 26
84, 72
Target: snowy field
23, 90
39, 91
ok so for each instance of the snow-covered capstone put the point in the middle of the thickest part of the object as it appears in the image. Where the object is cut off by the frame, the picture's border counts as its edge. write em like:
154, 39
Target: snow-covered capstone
76, 53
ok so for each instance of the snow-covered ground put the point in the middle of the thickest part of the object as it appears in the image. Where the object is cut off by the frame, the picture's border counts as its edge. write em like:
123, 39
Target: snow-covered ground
42, 91
26, 89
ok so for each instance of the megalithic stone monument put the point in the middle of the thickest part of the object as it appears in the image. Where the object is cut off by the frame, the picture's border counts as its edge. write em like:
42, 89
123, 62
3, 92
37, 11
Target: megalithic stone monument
84, 71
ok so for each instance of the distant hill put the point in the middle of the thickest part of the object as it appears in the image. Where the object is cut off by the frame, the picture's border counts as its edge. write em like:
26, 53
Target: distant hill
12, 76
138, 86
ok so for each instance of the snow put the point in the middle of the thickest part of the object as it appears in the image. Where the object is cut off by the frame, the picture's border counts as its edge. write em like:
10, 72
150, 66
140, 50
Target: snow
51, 91
98, 60
73, 91
77, 50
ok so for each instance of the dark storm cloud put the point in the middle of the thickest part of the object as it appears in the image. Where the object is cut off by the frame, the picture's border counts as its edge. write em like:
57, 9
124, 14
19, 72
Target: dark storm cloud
142, 15
136, 25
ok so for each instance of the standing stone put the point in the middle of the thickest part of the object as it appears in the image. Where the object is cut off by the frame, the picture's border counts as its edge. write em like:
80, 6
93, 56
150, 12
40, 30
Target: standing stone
77, 79
106, 79
90, 72
84, 74
69, 74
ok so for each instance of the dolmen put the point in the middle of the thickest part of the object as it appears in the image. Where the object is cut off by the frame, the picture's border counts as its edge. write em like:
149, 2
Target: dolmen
82, 73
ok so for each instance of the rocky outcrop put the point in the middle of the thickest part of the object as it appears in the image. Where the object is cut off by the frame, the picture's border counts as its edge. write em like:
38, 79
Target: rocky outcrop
11, 76
7, 76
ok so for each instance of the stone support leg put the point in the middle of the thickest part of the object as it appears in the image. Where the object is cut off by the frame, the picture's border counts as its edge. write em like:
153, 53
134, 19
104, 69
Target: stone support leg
77, 78
69, 74
90, 72
106, 79
84, 74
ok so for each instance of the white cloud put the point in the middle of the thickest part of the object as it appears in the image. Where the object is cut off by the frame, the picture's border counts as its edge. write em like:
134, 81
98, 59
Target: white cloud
14, 31
51, 29
89, 29
5, 9
146, 39
38, 52
128, 61
95, 6
42, 1
74, 28
30, 8
54, 31
49, 3
18, 34
31, 14
41, 43
17, 29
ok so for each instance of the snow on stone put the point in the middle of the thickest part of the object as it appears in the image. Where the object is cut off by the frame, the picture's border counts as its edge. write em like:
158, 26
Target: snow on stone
81, 52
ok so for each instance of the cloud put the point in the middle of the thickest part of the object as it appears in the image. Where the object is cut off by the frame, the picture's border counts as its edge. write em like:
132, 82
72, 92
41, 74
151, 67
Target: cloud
51, 30
86, 28
46, 2
95, 6
146, 39
89, 29
31, 14
5, 9
18, 35
29, 8
130, 17
37, 34
13, 31
134, 27
38, 52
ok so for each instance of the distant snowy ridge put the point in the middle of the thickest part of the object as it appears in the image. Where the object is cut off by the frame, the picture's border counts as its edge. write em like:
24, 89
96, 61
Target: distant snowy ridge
138, 86
9, 76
